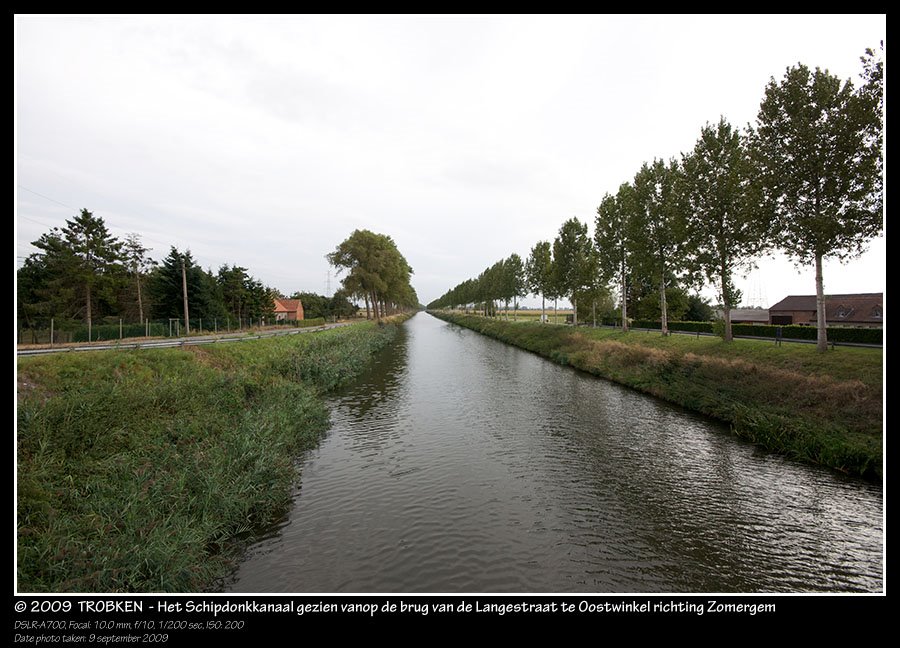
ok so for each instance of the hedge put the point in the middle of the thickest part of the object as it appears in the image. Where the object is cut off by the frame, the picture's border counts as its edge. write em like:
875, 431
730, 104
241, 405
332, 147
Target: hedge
788, 332
693, 327
835, 334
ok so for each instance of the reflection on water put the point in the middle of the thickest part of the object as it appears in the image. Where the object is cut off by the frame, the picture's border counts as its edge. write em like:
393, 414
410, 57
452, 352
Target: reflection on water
460, 464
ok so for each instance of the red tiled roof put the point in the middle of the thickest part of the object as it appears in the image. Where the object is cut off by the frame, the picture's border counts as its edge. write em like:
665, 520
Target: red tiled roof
287, 305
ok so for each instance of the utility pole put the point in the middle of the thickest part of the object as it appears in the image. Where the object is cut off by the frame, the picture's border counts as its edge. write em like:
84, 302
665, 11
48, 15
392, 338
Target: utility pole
140, 303
187, 322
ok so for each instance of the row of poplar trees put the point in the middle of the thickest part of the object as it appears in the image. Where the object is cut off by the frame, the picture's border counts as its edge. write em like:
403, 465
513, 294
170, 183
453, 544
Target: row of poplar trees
806, 179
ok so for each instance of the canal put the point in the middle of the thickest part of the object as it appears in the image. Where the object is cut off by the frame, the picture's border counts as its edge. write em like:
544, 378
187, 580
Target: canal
461, 464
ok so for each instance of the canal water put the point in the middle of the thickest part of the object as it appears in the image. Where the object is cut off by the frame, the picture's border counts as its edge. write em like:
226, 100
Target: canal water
461, 464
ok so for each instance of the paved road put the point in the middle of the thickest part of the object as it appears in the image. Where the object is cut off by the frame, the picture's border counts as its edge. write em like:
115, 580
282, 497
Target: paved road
182, 341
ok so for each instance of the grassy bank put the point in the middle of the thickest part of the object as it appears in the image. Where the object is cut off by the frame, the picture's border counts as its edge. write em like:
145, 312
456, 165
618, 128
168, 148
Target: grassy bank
819, 408
144, 470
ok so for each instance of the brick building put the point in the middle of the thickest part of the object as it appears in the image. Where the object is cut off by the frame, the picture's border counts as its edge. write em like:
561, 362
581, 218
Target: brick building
288, 309
862, 309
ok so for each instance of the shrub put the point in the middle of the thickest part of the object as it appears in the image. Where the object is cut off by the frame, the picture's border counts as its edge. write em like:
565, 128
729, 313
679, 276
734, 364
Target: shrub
718, 328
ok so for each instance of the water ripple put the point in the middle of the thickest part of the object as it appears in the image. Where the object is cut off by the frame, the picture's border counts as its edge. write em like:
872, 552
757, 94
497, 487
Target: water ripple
462, 464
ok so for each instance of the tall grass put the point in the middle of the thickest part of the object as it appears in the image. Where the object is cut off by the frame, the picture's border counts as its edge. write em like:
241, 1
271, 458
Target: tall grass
820, 408
143, 470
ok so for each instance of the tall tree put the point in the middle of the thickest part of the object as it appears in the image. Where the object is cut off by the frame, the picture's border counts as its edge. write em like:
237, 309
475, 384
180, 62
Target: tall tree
377, 270
539, 273
513, 281
139, 264
612, 234
572, 258
657, 228
817, 151
596, 291
725, 228
233, 282
84, 256
167, 287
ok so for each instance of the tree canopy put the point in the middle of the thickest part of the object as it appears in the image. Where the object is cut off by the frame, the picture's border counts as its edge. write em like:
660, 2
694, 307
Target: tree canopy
817, 154
376, 272
725, 227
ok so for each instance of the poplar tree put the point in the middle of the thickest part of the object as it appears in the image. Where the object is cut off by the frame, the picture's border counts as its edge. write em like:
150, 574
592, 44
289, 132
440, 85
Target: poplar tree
539, 273
572, 261
817, 152
656, 228
612, 236
725, 229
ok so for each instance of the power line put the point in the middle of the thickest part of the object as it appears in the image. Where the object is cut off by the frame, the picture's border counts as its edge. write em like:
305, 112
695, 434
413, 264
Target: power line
45, 197
145, 238
36, 221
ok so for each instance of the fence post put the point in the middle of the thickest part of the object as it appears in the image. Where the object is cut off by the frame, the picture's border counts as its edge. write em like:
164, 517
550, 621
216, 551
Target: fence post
201, 325
51, 331
120, 328
216, 325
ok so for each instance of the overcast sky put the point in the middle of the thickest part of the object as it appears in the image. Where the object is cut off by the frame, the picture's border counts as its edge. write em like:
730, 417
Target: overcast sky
265, 141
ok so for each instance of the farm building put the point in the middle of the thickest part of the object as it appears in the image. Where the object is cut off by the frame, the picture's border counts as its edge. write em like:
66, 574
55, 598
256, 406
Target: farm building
862, 309
288, 309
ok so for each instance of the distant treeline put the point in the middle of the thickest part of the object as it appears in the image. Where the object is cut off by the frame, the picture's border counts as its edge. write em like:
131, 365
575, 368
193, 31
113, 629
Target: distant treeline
84, 276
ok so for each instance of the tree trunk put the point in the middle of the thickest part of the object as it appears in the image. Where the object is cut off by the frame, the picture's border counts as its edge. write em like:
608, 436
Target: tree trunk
664, 322
624, 300
822, 333
555, 315
187, 321
140, 303
594, 312
574, 311
726, 307
543, 310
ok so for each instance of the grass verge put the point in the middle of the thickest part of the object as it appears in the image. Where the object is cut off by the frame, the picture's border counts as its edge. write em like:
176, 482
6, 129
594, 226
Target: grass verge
819, 408
143, 471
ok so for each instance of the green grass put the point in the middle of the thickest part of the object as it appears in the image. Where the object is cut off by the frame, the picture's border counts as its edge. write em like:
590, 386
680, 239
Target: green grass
144, 470
820, 408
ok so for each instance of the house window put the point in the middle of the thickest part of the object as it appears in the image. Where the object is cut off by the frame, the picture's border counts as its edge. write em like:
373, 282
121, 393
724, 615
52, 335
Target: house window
843, 311
876, 312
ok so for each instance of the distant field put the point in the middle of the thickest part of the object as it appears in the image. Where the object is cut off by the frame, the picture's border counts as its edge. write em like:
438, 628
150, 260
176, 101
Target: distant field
529, 314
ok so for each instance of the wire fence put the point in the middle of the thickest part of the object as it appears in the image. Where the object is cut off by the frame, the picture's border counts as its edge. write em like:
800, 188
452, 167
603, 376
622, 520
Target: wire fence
67, 333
